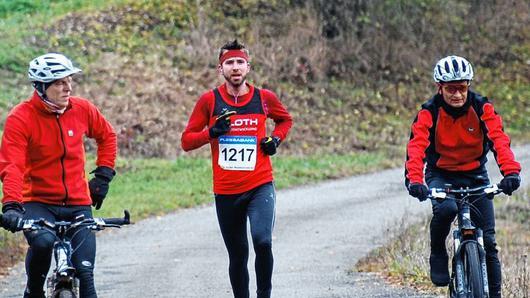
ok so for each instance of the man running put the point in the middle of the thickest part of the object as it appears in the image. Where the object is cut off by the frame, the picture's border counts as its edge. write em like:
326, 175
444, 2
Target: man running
232, 118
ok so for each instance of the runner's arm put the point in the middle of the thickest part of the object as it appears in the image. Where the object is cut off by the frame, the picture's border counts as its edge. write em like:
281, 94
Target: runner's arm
196, 133
277, 112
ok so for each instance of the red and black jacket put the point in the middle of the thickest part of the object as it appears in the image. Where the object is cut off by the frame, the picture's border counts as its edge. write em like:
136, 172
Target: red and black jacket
457, 139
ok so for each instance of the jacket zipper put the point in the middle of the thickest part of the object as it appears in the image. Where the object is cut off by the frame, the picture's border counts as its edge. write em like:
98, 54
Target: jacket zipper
62, 162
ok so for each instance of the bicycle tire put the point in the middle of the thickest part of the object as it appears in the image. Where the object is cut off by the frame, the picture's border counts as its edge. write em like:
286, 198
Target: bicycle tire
475, 281
65, 294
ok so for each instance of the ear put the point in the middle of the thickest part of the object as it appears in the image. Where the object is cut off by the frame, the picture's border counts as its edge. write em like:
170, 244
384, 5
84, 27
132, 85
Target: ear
439, 86
220, 69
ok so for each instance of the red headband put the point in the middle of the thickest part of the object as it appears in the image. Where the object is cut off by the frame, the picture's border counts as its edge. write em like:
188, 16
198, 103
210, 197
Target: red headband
232, 54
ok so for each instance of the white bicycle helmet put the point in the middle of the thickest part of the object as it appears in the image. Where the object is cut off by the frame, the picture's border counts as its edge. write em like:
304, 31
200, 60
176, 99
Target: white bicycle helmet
453, 68
50, 67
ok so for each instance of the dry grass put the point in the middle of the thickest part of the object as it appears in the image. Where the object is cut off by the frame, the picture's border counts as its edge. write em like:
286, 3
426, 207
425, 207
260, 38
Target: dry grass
13, 249
404, 261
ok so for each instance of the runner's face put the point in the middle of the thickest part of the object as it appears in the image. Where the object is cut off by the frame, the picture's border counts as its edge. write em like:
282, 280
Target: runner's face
235, 70
59, 92
454, 93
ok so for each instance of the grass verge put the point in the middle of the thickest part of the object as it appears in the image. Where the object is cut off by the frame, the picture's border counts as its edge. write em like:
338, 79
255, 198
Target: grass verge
404, 260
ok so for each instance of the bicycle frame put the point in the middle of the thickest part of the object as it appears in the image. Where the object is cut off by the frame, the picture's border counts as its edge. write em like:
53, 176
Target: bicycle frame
465, 234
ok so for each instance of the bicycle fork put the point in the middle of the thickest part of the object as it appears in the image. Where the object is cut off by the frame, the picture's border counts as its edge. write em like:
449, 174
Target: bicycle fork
459, 266
461, 291
482, 256
64, 273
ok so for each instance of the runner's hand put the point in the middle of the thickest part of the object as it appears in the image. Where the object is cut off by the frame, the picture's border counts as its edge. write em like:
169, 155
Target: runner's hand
221, 125
269, 145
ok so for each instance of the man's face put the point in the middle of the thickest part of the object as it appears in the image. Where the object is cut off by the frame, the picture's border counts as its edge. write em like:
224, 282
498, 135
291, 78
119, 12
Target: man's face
235, 70
454, 93
59, 92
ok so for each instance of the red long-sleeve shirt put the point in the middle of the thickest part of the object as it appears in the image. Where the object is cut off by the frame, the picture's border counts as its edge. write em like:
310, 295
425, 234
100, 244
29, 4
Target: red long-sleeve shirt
252, 109
42, 156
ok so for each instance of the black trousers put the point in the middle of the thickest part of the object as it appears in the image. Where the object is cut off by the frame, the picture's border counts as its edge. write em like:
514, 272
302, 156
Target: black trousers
258, 205
39, 256
483, 216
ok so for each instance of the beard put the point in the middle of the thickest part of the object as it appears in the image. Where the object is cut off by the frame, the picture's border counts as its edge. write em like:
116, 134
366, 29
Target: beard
236, 82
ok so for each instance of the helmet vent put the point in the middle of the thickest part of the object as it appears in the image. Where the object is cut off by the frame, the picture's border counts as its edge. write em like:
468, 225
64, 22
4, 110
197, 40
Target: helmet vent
455, 65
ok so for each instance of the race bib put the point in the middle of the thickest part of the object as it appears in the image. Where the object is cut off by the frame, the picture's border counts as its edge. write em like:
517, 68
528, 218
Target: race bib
237, 153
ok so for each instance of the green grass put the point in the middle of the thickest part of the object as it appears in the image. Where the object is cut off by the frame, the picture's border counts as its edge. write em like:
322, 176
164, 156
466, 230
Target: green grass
22, 21
157, 186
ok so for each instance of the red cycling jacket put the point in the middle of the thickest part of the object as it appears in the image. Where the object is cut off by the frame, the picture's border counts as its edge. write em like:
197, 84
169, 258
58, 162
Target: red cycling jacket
450, 139
42, 156
238, 163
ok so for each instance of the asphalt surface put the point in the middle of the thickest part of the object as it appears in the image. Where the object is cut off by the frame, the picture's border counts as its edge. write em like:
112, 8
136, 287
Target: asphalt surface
320, 233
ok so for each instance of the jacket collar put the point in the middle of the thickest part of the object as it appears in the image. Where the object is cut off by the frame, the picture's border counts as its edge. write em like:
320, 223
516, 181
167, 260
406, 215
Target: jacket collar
37, 103
452, 111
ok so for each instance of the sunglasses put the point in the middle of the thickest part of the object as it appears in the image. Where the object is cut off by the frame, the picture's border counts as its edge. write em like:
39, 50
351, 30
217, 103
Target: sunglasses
452, 89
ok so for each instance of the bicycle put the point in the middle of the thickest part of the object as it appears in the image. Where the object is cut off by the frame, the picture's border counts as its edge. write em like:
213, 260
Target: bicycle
62, 283
469, 276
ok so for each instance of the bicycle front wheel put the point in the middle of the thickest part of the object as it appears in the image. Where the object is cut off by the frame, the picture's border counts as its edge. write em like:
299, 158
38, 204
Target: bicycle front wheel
65, 294
474, 281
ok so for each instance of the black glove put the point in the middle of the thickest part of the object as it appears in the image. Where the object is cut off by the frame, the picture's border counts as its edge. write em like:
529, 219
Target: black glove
419, 191
221, 125
510, 183
269, 145
12, 216
99, 185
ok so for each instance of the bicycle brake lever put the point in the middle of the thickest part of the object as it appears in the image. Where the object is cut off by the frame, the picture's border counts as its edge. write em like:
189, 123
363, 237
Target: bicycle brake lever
493, 189
438, 194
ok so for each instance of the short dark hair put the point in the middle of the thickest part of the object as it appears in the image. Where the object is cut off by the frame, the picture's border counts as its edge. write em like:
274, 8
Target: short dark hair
232, 45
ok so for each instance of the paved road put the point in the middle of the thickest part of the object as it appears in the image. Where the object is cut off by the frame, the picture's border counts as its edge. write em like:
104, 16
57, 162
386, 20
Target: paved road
321, 231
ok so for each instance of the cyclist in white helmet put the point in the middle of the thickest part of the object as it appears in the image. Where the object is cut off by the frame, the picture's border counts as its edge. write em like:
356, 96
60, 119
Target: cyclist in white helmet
452, 134
42, 167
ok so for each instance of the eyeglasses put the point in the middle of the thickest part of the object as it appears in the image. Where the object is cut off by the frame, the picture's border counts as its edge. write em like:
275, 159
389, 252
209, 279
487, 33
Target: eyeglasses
452, 89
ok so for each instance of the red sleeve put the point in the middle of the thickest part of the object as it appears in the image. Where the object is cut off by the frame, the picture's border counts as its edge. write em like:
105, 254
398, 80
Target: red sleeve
417, 146
275, 110
501, 142
13, 158
196, 135
101, 130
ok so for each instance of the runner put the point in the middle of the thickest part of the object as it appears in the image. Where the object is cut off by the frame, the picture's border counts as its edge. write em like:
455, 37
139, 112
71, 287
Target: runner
232, 118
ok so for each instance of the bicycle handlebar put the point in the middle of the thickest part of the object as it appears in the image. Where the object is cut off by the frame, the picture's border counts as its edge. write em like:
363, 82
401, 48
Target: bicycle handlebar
116, 221
443, 193
92, 223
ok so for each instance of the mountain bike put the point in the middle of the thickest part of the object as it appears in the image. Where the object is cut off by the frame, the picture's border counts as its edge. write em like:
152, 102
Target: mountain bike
62, 283
469, 278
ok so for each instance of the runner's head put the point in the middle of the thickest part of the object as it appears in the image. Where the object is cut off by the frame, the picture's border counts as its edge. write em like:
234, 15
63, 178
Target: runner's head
453, 75
234, 63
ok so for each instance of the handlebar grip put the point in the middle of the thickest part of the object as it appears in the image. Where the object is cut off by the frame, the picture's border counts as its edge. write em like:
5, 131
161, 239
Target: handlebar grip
119, 221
